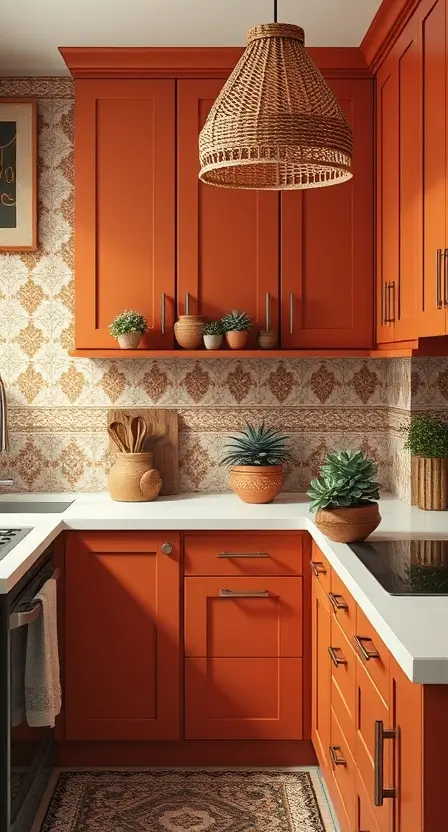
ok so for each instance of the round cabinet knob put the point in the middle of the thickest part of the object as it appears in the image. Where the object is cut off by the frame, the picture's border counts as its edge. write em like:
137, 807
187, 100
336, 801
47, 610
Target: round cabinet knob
167, 548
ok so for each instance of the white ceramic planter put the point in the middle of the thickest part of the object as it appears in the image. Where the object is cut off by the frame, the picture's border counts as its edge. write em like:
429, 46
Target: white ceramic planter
213, 342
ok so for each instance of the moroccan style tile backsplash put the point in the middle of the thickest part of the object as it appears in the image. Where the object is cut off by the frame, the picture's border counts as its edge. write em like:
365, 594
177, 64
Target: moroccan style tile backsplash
58, 405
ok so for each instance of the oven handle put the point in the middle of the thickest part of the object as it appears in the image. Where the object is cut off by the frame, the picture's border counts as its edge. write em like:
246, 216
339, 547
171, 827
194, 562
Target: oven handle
22, 619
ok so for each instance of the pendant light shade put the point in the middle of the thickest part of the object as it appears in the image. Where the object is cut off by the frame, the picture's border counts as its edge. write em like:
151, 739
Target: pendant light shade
276, 124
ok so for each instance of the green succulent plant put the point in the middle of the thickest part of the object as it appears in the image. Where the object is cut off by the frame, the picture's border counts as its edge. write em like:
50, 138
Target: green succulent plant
236, 321
213, 328
428, 437
347, 480
128, 321
256, 445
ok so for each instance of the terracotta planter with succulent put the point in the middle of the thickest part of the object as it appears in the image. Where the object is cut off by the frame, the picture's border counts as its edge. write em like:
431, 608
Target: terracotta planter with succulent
344, 497
427, 441
213, 332
255, 458
237, 326
128, 328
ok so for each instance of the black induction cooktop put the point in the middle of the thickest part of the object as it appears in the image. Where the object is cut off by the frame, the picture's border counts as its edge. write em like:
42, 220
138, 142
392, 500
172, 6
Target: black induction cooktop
407, 567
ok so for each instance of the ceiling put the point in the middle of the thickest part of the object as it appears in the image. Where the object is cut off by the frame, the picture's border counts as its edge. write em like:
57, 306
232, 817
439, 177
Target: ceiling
32, 30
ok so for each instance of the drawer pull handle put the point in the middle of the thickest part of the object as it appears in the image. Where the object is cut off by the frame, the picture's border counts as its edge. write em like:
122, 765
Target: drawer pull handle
337, 660
234, 593
337, 602
318, 568
439, 278
380, 792
366, 654
242, 555
336, 756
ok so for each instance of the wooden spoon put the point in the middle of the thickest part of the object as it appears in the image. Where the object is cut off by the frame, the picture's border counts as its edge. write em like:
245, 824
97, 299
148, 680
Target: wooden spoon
139, 432
118, 434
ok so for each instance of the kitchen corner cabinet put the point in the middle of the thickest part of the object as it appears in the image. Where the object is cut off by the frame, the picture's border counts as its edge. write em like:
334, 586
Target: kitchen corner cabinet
125, 207
122, 636
327, 244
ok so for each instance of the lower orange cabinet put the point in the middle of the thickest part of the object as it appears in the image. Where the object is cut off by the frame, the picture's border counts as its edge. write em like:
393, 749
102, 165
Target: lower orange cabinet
243, 665
320, 673
122, 650
343, 774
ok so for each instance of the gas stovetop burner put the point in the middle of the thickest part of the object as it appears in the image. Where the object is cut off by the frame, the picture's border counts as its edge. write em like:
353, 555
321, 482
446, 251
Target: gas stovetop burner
407, 567
9, 538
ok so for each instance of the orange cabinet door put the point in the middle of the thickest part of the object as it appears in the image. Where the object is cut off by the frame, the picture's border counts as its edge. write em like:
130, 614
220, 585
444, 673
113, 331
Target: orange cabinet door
327, 245
409, 756
343, 776
125, 207
243, 666
122, 637
321, 674
227, 239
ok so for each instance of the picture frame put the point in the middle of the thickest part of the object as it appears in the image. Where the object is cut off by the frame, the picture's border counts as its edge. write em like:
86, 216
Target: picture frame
18, 174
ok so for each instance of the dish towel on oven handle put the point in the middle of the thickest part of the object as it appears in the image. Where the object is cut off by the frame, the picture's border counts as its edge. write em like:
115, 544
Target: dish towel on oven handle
42, 674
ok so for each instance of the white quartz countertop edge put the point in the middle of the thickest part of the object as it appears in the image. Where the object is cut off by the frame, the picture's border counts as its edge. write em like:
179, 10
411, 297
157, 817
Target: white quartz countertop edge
414, 628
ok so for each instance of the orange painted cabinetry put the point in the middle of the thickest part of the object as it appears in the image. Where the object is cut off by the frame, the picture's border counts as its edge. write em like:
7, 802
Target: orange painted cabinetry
125, 207
122, 628
327, 245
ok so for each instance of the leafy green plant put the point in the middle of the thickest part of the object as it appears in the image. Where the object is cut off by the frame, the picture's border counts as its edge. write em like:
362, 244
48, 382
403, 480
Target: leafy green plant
213, 328
236, 321
347, 480
128, 321
256, 445
427, 436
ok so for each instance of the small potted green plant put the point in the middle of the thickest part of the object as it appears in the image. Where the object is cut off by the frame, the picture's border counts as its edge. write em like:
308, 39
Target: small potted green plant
427, 440
128, 328
236, 325
344, 497
255, 457
213, 331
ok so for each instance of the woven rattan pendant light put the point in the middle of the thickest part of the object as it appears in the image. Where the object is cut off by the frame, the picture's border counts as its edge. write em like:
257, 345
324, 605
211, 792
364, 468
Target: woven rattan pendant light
276, 124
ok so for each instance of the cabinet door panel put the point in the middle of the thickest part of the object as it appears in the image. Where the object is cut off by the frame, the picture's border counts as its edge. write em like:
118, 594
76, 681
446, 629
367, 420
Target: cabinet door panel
227, 239
343, 683
344, 775
217, 626
321, 673
228, 699
125, 206
410, 758
122, 638
327, 245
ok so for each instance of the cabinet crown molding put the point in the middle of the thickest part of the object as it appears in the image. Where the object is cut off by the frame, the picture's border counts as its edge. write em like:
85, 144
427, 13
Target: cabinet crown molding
385, 28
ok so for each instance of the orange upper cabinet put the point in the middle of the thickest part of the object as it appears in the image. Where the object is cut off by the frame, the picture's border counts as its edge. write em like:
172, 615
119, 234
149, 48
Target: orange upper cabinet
227, 239
122, 652
125, 207
327, 245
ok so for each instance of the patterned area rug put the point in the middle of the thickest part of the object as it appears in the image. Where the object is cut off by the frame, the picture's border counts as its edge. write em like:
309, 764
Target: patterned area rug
188, 801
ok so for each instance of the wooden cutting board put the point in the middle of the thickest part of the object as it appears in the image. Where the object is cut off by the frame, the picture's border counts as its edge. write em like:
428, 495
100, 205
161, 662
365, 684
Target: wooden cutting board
161, 423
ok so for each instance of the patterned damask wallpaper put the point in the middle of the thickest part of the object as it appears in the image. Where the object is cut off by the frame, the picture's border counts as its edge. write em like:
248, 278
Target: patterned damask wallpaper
58, 405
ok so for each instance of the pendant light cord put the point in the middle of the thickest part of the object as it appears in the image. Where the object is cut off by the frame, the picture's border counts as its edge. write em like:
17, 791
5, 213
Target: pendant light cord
275, 11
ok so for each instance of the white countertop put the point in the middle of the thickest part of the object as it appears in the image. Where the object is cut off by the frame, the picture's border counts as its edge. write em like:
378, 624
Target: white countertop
414, 628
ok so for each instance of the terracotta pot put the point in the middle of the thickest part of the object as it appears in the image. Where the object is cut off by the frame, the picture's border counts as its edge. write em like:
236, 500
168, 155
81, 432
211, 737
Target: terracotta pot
237, 340
347, 525
188, 331
256, 483
268, 339
430, 483
129, 340
134, 479
213, 342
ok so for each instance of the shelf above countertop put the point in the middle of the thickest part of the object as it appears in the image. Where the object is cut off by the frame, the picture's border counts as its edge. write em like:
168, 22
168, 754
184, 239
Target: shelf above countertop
229, 354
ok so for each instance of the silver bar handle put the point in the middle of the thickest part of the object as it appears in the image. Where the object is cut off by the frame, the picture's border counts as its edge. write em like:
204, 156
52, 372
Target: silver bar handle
22, 619
242, 555
233, 593
187, 303
392, 302
291, 313
162, 313
268, 312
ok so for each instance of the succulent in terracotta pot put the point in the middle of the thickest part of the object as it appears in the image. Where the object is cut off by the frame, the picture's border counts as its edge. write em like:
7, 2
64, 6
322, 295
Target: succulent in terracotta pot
213, 332
255, 457
427, 440
128, 327
237, 326
344, 497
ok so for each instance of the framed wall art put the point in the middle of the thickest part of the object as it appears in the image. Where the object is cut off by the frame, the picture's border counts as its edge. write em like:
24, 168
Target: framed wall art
18, 189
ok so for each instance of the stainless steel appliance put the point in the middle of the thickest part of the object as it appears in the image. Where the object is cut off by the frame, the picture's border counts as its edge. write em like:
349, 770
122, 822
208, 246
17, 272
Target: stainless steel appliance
407, 567
26, 754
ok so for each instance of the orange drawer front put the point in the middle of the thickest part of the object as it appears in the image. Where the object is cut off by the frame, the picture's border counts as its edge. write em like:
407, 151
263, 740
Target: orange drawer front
373, 653
344, 774
343, 682
236, 554
343, 605
320, 567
